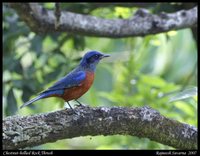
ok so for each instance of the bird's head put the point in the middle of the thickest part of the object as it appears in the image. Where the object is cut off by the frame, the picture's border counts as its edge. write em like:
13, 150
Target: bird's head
91, 59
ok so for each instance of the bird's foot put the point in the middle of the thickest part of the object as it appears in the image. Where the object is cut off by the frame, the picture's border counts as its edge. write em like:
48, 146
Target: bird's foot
73, 111
71, 108
79, 104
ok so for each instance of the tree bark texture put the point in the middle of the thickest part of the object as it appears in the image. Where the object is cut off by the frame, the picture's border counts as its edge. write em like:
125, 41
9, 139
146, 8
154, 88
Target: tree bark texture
41, 20
28, 131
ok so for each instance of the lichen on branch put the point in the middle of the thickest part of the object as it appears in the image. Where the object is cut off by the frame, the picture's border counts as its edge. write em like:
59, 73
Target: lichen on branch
29, 131
143, 23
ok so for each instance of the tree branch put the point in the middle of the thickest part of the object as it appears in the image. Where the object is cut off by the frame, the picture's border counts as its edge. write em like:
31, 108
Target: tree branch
28, 131
143, 23
57, 15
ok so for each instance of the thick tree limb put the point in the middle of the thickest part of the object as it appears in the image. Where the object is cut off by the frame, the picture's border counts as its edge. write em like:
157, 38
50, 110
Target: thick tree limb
21, 132
143, 23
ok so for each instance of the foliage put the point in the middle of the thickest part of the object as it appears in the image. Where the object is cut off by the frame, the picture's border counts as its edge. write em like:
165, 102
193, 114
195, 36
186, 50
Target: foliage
142, 71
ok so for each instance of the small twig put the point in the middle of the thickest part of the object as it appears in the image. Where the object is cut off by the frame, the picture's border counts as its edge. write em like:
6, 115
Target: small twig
185, 84
57, 15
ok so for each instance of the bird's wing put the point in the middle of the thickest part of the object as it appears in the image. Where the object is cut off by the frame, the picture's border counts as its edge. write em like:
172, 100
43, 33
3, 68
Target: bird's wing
71, 80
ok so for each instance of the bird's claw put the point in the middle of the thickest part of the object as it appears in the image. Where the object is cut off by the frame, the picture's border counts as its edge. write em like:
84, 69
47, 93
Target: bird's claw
81, 105
72, 110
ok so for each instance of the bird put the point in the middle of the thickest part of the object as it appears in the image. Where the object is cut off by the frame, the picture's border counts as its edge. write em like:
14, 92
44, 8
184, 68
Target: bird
74, 84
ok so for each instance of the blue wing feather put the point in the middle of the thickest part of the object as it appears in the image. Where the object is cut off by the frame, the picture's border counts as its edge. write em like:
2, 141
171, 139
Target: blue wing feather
71, 80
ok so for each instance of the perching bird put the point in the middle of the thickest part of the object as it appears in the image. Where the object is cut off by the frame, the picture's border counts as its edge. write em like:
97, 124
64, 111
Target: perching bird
76, 83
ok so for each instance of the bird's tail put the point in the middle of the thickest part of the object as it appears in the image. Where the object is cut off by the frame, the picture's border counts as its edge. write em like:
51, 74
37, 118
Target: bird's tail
33, 100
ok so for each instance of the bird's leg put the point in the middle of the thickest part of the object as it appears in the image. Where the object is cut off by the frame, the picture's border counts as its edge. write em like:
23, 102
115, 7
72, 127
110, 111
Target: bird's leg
79, 104
71, 107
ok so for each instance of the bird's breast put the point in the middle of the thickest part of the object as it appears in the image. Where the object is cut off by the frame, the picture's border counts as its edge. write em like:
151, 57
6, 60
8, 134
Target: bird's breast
76, 92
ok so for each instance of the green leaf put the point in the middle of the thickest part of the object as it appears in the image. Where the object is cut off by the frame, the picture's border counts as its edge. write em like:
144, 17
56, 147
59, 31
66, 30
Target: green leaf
79, 42
18, 83
18, 68
49, 5
185, 107
188, 93
11, 106
122, 12
153, 81
36, 44
52, 76
28, 91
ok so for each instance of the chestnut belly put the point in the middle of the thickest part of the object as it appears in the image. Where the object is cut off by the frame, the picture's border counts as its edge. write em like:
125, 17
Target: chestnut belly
76, 92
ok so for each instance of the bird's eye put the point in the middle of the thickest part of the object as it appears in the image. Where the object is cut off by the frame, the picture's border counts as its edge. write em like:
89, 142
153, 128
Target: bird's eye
96, 56
93, 58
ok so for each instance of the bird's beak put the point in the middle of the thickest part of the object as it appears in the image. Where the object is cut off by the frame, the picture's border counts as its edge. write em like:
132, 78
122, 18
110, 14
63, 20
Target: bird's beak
105, 55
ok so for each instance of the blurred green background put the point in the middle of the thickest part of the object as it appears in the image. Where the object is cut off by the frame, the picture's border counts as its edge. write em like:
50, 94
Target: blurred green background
142, 71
